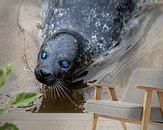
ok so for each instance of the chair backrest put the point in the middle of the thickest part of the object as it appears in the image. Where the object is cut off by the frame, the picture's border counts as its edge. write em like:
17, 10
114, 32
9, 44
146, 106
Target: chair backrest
143, 77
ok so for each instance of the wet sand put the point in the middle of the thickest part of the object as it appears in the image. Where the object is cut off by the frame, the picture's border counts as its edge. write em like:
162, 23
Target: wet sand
18, 38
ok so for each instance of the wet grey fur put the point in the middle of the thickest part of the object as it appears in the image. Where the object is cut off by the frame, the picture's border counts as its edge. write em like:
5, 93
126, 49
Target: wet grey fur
100, 22
97, 25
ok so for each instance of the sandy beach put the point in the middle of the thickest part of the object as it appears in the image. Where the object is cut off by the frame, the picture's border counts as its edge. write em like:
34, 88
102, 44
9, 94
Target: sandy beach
18, 38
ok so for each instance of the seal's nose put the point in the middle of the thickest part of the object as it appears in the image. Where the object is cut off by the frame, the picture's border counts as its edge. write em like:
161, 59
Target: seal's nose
45, 74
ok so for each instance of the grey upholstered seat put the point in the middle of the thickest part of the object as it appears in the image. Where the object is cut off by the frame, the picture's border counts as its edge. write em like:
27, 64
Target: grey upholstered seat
125, 110
131, 106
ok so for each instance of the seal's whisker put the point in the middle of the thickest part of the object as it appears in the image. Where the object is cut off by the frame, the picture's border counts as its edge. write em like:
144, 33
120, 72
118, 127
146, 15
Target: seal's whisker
58, 88
62, 85
62, 90
57, 91
69, 98
55, 88
51, 92
54, 91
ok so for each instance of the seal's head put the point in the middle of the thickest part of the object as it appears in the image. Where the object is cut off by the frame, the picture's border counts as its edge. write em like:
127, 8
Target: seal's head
61, 57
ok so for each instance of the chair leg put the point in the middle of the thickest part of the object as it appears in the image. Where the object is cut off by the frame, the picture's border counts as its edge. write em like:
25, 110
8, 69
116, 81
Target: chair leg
124, 125
146, 109
94, 122
144, 126
160, 98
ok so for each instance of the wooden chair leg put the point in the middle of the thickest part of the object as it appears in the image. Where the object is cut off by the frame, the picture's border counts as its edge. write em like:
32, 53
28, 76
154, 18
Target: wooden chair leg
146, 109
94, 122
124, 125
115, 98
160, 98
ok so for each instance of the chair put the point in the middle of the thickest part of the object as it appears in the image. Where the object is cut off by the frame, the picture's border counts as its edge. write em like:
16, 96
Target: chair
137, 106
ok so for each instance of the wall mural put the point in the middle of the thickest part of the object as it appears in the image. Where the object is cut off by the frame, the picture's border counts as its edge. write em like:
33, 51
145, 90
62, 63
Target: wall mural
79, 41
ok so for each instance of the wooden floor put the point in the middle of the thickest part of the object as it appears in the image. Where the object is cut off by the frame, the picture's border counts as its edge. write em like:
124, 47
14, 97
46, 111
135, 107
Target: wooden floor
57, 121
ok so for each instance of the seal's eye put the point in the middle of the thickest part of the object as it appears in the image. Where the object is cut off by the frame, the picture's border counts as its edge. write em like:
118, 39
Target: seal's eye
65, 64
43, 55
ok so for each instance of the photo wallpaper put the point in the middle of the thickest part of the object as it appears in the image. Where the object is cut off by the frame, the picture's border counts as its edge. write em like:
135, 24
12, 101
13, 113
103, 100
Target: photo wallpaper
57, 46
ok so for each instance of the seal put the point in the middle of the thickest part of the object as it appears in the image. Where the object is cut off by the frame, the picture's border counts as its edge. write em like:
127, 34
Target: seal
76, 32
